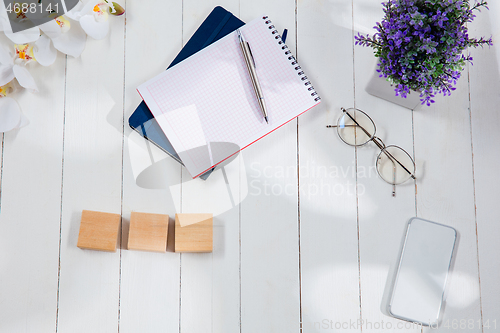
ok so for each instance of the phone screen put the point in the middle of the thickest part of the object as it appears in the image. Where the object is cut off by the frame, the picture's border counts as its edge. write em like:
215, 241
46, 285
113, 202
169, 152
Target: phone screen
425, 260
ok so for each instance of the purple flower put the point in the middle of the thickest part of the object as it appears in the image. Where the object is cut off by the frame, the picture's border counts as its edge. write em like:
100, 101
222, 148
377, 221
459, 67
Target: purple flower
420, 44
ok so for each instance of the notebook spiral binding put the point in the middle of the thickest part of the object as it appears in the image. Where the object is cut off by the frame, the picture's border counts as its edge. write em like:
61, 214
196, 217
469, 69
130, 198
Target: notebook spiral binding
294, 62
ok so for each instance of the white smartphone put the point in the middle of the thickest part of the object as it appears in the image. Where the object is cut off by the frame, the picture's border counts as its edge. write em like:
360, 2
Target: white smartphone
424, 265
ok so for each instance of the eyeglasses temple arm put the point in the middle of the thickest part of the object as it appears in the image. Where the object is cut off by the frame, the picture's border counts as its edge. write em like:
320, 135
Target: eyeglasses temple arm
357, 124
392, 158
394, 179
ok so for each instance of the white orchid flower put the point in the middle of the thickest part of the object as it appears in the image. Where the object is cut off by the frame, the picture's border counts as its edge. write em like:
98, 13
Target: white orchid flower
59, 34
62, 35
11, 116
93, 16
15, 66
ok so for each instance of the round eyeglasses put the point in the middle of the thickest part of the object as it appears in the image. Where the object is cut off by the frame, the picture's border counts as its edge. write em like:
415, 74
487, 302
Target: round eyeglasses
394, 165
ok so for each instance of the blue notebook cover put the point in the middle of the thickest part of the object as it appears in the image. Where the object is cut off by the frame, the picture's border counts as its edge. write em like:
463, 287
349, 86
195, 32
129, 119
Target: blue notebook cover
218, 24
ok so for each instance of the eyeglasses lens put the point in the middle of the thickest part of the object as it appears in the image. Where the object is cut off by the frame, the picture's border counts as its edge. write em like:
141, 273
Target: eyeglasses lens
355, 127
395, 165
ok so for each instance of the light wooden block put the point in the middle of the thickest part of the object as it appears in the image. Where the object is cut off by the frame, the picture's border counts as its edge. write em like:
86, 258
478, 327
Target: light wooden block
148, 232
196, 235
99, 231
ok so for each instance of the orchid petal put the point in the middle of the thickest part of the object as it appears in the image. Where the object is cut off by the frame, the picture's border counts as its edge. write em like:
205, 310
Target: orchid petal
81, 9
6, 63
23, 122
44, 52
76, 12
24, 78
96, 30
10, 114
5, 56
6, 74
23, 37
51, 29
71, 42
4, 21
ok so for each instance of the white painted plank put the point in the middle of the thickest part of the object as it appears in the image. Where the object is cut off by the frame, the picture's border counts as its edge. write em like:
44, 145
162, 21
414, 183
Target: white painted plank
270, 290
382, 218
89, 281
445, 194
210, 282
1, 168
328, 230
31, 206
485, 85
149, 290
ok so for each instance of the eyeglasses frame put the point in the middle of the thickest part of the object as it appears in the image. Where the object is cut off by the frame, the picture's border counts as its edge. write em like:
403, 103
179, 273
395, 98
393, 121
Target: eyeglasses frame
379, 143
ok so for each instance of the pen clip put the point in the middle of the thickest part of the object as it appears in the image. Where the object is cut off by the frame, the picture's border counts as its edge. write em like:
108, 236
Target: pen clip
283, 36
251, 55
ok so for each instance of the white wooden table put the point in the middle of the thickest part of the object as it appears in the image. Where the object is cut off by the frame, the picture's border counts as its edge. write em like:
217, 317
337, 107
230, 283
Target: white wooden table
309, 245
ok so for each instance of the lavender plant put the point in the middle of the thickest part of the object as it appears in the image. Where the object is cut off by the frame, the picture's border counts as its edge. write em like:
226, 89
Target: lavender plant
421, 44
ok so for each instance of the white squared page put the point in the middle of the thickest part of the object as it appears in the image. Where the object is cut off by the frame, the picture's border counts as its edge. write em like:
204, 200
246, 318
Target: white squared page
209, 98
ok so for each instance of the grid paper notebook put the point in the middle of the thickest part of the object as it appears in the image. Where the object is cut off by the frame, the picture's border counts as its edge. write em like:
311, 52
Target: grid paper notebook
206, 104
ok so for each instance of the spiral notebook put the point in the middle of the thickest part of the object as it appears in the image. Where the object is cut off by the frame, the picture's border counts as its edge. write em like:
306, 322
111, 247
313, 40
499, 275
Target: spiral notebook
218, 23
206, 104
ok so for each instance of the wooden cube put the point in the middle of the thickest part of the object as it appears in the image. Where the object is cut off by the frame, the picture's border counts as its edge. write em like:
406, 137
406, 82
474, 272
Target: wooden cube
148, 232
193, 232
99, 231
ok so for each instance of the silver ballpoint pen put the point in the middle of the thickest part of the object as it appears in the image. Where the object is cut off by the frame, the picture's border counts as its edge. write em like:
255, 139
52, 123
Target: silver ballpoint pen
247, 54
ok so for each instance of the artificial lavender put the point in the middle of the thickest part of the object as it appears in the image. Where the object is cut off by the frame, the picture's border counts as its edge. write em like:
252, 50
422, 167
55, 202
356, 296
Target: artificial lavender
420, 44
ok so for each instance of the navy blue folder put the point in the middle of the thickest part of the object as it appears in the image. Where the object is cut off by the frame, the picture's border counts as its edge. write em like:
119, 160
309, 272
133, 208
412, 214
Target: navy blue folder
218, 24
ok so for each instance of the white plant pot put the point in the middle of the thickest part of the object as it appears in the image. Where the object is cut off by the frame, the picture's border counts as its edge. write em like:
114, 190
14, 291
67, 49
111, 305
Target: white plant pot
380, 87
